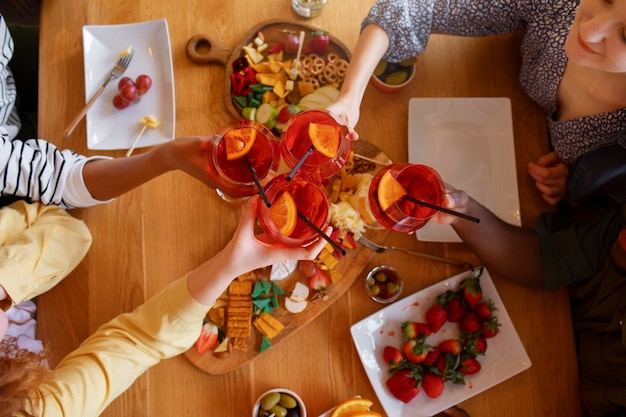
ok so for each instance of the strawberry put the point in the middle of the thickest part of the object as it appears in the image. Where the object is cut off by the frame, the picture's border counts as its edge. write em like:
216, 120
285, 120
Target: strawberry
472, 293
490, 327
404, 385
481, 345
455, 309
413, 330
319, 281
432, 357
484, 310
436, 316
432, 384
453, 346
393, 357
476, 345
319, 44
207, 338
286, 113
415, 351
470, 323
469, 366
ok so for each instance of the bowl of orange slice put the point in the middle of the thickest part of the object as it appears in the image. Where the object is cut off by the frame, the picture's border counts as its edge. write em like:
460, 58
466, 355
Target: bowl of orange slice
354, 407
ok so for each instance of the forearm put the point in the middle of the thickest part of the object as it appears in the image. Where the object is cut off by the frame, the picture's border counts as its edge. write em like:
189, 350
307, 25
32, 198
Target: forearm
370, 48
109, 178
511, 252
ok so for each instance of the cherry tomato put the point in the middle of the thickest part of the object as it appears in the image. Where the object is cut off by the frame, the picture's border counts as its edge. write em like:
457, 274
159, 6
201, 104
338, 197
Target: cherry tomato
143, 83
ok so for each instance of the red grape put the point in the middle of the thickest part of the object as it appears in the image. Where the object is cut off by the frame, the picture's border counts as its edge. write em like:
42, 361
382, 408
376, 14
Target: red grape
125, 81
120, 103
130, 93
143, 83
291, 43
308, 268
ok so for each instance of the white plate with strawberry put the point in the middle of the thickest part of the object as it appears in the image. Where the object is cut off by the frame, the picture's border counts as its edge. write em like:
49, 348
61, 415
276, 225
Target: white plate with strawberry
376, 336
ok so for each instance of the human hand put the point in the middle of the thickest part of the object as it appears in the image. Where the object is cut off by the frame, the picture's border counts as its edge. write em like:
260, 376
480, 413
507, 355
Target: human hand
456, 200
348, 113
257, 251
191, 155
550, 175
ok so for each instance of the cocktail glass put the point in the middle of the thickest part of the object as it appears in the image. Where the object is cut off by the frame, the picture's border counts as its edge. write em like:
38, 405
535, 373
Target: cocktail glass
296, 144
235, 178
289, 228
392, 190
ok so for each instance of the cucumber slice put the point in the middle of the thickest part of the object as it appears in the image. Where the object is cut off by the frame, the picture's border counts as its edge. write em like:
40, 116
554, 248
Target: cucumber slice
266, 114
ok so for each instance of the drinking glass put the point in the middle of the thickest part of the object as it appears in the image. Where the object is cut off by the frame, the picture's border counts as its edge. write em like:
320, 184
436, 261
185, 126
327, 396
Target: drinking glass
310, 201
296, 142
419, 182
234, 178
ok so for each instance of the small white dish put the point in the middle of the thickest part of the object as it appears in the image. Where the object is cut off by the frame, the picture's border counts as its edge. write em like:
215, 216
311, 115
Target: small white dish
469, 141
108, 127
504, 358
301, 406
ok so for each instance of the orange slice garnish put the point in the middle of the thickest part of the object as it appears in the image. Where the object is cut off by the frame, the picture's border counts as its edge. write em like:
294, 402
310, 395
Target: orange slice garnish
353, 406
239, 142
284, 213
325, 139
389, 191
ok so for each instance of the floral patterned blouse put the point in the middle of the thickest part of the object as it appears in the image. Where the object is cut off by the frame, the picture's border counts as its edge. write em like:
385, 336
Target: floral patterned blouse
409, 23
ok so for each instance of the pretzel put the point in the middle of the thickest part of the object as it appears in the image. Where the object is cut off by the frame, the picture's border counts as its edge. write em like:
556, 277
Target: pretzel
342, 67
332, 57
330, 73
317, 66
313, 81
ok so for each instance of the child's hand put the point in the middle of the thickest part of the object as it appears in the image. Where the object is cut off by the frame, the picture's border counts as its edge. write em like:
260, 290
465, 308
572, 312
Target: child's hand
550, 175
347, 113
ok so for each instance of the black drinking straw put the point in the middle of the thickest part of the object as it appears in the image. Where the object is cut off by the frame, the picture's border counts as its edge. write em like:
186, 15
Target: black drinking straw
443, 209
300, 162
322, 234
257, 182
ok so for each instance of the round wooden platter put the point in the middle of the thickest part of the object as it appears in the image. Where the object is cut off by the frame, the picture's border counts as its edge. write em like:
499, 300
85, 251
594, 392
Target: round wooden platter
350, 267
203, 49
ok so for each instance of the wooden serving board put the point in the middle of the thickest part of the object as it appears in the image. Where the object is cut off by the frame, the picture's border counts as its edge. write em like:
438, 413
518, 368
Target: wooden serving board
351, 268
202, 49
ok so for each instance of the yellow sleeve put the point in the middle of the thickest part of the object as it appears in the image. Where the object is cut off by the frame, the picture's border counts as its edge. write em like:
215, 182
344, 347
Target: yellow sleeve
39, 246
109, 361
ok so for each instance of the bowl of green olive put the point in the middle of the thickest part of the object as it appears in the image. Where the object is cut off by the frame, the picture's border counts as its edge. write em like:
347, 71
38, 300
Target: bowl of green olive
279, 402
383, 284
390, 77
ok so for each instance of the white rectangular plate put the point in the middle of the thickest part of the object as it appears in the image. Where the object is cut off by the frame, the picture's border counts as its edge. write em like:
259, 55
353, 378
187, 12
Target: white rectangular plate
469, 141
504, 358
108, 127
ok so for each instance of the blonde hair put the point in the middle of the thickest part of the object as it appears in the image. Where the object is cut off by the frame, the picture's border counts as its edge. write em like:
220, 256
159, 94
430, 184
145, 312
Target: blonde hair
21, 373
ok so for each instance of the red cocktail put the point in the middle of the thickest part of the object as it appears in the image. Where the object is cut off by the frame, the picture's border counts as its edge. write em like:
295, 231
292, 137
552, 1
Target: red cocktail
290, 202
394, 189
239, 152
319, 138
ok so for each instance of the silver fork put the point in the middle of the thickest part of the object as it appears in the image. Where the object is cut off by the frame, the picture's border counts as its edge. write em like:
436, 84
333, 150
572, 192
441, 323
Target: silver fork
381, 248
118, 69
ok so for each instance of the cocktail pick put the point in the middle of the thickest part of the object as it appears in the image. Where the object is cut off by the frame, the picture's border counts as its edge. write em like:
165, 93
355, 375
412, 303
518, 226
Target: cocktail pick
320, 232
257, 182
299, 163
443, 209
146, 122
293, 72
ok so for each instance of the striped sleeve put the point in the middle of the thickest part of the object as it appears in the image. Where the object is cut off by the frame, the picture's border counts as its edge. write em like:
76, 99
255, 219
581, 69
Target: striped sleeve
39, 171
9, 120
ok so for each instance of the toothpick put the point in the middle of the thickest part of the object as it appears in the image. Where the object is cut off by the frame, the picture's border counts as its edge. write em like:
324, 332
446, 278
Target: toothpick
132, 147
365, 158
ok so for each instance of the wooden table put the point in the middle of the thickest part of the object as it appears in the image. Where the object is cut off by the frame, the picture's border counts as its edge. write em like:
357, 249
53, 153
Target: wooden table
158, 232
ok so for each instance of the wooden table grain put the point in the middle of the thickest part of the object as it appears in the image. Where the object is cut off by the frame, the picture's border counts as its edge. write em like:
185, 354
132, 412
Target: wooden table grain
158, 232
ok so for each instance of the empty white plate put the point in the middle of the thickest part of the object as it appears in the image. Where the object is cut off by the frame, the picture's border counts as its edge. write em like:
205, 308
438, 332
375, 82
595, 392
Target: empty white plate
469, 141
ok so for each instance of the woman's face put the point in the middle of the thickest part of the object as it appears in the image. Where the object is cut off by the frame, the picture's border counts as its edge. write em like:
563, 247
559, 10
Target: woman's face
597, 39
